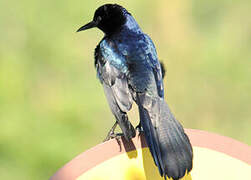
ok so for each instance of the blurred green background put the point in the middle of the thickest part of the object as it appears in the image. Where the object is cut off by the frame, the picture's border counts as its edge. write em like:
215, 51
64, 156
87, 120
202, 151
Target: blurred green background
52, 107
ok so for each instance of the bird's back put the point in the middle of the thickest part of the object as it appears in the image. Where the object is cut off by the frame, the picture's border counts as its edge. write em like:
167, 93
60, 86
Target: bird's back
134, 53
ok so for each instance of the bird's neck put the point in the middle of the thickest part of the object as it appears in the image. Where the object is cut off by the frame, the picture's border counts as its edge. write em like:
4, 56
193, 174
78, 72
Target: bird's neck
131, 24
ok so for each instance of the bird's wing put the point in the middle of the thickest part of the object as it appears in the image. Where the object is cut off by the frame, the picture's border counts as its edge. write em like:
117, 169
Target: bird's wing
111, 72
152, 58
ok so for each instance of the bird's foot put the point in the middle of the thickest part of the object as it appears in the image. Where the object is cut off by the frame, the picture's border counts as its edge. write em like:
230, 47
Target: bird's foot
111, 133
117, 137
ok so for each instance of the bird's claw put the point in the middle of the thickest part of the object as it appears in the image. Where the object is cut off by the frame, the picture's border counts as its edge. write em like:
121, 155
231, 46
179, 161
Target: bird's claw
112, 136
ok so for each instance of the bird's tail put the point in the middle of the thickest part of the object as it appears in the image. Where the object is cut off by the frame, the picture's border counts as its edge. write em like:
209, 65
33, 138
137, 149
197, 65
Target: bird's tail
166, 139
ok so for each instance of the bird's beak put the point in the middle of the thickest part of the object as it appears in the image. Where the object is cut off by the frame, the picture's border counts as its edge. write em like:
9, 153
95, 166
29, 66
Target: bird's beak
90, 25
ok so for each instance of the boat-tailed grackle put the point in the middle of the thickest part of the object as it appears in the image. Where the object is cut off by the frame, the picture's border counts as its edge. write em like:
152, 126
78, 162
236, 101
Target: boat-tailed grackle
129, 70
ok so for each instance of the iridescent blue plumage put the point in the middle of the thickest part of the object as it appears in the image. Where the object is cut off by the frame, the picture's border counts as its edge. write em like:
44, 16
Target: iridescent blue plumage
129, 70
130, 47
115, 59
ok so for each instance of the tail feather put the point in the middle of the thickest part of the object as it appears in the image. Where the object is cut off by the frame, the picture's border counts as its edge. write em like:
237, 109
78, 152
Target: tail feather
167, 141
150, 138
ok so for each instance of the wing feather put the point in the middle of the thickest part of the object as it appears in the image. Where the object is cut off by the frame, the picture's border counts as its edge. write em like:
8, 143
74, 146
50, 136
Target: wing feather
114, 76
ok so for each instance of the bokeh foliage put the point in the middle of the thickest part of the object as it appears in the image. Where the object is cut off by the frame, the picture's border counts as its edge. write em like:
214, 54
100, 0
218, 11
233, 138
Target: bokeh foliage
52, 107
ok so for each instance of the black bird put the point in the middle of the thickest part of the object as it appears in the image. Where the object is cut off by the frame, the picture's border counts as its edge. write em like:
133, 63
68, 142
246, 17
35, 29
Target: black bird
128, 68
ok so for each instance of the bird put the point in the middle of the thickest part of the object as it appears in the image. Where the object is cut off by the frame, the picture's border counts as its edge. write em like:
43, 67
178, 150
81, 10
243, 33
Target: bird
128, 68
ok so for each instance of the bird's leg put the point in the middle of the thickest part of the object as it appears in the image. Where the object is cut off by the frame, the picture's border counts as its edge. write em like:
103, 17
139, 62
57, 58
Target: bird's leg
111, 133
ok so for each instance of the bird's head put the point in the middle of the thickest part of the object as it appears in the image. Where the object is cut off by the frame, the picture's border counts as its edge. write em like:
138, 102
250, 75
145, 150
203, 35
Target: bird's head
109, 18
